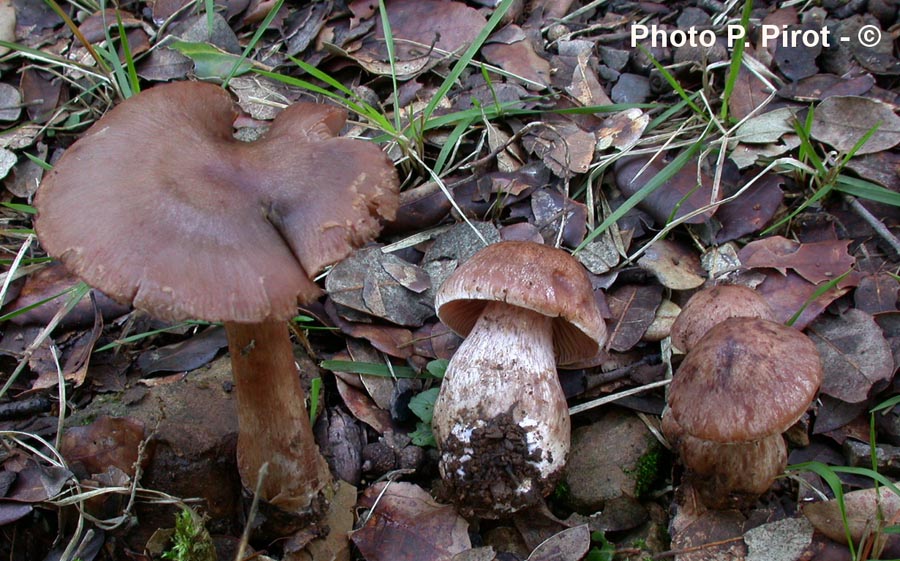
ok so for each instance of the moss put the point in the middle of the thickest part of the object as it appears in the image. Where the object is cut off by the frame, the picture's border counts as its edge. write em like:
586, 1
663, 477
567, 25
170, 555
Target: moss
648, 470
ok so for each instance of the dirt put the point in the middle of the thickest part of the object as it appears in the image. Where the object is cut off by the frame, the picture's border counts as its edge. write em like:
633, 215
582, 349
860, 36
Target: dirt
500, 462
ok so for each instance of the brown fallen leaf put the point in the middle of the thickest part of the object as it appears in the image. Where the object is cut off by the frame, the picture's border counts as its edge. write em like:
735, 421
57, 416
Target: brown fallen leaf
679, 195
789, 293
864, 509
856, 358
633, 308
752, 210
405, 523
569, 545
749, 93
423, 32
877, 293
108, 441
674, 265
821, 86
842, 121
185, 356
512, 49
816, 262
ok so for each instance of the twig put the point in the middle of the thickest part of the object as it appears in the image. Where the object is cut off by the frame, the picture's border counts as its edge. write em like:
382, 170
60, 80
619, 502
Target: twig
877, 225
254, 507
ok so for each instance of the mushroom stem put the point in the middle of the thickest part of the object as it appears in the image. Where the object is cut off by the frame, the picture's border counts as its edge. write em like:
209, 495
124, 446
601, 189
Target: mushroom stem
273, 423
501, 421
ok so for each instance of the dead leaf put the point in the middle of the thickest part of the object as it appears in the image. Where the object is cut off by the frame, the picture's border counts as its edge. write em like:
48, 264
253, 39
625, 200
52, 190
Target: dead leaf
363, 408
749, 93
633, 308
768, 127
383, 285
842, 121
563, 146
882, 168
816, 262
551, 210
10, 101
42, 93
622, 129
517, 56
795, 59
35, 483
782, 540
751, 211
855, 355
405, 523
864, 508
423, 32
569, 545
788, 293
185, 356
688, 190
108, 441
877, 293
821, 86
674, 265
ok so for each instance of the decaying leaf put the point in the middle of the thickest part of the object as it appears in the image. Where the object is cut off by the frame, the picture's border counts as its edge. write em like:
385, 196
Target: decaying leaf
752, 210
749, 93
768, 127
877, 293
687, 191
676, 266
816, 262
512, 50
186, 355
405, 523
563, 146
864, 509
106, 442
841, 121
855, 355
788, 293
633, 308
383, 285
569, 545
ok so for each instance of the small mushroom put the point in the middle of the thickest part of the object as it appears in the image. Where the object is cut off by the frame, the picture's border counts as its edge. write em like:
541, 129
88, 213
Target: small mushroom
737, 390
159, 206
501, 420
710, 306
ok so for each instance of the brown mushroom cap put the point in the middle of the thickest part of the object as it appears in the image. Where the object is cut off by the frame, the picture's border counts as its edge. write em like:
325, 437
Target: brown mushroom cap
159, 206
747, 379
710, 306
532, 276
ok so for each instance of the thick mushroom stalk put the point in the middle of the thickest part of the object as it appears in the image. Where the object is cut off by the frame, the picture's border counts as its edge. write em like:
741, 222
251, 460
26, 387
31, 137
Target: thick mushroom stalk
273, 423
501, 421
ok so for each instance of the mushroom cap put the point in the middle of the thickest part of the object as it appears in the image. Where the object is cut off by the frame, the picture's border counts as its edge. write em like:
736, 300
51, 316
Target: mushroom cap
710, 306
532, 276
159, 206
747, 379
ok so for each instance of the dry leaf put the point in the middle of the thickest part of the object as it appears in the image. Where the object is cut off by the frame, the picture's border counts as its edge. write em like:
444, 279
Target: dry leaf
674, 265
633, 308
863, 508
816, 262
405, 523
842, 121
855, 355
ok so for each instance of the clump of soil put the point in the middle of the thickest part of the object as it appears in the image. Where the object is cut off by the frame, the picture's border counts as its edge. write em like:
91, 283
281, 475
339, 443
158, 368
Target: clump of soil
494, 471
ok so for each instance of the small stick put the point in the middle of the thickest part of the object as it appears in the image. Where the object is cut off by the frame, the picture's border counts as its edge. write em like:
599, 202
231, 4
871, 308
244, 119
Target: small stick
874, 223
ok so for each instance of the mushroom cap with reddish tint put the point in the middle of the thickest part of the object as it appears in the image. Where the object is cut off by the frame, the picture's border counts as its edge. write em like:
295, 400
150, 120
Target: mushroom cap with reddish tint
532, 276
747, 379
710, 306
159, 206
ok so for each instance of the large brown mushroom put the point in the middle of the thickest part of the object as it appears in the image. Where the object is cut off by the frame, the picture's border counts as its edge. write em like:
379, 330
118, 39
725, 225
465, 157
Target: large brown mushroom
501, 421
737, 390
159, 206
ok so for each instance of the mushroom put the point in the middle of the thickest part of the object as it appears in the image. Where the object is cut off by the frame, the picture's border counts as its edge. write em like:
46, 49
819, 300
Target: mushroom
737, 390
159, 206
501, 421
710, 306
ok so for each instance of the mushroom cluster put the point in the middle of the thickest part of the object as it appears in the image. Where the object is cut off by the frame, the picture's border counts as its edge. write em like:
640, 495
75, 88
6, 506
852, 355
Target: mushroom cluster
501, 421
745, 380
160, 207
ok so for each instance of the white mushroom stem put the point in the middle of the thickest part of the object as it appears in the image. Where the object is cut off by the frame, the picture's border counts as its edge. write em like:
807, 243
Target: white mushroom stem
273, 423
501, 420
